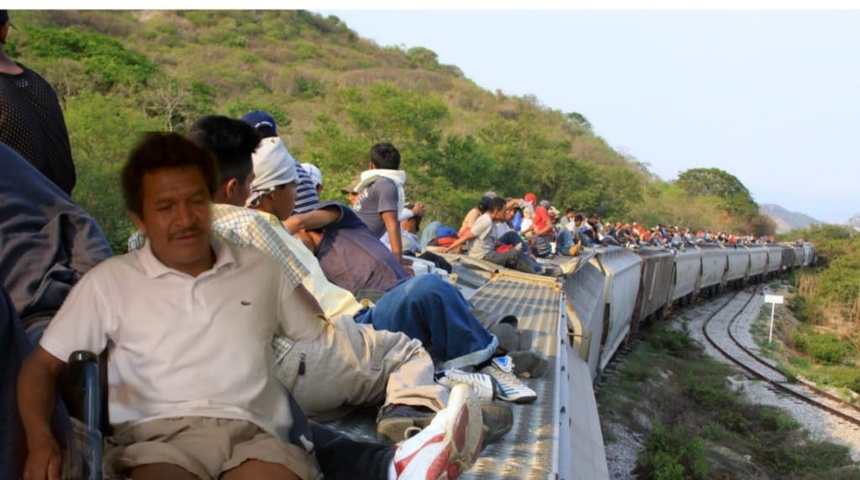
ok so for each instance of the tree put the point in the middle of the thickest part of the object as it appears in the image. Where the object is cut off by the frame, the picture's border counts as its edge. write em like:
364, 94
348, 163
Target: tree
736, 199
168, 99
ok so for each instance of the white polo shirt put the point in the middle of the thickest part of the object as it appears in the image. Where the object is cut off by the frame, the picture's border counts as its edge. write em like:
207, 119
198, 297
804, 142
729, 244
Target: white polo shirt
183, 345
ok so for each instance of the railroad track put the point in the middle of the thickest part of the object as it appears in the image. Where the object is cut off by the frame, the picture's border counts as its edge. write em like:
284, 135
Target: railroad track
717, 330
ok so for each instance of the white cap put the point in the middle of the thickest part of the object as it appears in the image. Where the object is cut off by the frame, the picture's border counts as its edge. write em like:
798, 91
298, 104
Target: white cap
314, 172
273, 166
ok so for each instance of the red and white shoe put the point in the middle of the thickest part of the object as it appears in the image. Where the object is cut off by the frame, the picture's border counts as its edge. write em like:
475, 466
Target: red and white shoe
448, 446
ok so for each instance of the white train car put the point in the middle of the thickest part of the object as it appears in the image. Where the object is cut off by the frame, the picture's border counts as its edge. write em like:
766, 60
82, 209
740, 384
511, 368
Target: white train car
685, 278
758, 262
774, 260
714, 265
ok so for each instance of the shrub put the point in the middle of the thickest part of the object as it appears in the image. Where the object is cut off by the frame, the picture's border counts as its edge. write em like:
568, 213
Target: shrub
672, 455
103, 57
775, 420
826, 348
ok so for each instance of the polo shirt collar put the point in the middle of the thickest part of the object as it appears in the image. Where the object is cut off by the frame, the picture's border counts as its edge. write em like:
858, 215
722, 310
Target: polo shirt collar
153, 268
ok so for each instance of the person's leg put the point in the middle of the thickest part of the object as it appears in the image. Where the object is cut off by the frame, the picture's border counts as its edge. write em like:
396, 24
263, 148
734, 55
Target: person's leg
563, 242
159, 471
514, 259
436, 313
361, 366
258, 470
341, 458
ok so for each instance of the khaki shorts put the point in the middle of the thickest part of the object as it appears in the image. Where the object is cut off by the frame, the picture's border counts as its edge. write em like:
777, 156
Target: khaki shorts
204, 446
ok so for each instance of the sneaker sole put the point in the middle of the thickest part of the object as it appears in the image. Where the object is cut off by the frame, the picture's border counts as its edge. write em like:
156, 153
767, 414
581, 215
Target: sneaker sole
466, 432
394, 430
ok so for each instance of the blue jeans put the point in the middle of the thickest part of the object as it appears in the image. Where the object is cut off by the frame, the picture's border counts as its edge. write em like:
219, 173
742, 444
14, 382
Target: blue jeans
514, 238
436, 313
514, 259
563, 242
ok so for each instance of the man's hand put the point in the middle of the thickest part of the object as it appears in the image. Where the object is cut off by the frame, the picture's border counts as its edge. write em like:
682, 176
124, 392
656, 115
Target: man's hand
44, 461
418, 209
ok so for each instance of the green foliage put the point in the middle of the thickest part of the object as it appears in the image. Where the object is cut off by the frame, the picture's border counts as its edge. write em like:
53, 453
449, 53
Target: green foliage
103, 57
671, 454
825, 348
102, 130
309, 88
673, 342
712, 397
792, 459
713, 182
777, 421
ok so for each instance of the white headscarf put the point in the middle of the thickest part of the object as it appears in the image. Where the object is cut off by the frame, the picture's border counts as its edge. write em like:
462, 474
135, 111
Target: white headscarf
273, 166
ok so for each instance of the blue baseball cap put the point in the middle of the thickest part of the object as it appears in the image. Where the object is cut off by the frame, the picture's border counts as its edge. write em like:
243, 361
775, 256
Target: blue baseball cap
262, 122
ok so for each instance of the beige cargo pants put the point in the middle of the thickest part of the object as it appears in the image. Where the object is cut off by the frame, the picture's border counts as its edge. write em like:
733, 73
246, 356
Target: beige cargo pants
352, 364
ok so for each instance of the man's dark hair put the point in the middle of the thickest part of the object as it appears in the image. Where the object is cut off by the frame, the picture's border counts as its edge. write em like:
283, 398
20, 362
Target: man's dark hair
385, 155
570, 210
231, 142
578, 217
159, 151
484, 204
498, 204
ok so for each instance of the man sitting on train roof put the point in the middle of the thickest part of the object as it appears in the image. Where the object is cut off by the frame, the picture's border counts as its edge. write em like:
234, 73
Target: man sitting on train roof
166, 183
483, 244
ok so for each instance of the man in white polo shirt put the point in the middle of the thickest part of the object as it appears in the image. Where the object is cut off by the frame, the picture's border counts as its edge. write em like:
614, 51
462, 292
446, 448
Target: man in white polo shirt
187, 321
184, 319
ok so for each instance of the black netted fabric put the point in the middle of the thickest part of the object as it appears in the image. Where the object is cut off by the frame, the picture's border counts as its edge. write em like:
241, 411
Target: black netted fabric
31, 122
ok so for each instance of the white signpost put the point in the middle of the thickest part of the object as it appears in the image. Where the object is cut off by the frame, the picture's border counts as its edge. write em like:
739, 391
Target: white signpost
772, 300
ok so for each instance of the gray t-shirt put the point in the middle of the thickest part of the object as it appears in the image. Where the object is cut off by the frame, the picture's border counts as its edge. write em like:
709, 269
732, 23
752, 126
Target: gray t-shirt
484, 241
379, 197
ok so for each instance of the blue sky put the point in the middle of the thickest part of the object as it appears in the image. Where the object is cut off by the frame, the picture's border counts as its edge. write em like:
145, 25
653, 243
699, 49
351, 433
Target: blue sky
772, 97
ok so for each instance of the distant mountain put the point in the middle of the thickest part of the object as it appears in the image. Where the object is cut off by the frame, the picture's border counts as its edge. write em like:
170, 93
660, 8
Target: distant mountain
855, 222
786, 221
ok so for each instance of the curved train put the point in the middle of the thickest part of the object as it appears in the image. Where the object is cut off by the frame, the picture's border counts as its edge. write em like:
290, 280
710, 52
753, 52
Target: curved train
614, 290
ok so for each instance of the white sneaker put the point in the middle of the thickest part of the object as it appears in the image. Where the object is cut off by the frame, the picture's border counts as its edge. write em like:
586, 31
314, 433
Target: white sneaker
448, 446
480, 383
508, 387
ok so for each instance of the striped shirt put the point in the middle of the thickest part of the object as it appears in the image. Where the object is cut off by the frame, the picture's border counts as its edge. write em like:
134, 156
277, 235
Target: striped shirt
306, 192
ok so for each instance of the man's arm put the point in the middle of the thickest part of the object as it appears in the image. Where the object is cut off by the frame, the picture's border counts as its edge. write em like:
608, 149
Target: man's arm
313, 220
468, 235
544, 230
36, 393
392, 226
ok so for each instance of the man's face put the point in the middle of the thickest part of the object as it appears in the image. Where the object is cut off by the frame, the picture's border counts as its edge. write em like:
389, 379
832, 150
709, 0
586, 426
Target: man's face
283, 200
498, 215
353, 198
176, 218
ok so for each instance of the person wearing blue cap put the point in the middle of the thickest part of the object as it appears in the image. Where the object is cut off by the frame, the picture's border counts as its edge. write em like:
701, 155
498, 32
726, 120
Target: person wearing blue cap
31, 120
306, 192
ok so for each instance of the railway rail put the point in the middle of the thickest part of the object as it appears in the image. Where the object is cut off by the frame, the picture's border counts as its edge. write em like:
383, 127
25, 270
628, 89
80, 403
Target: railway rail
717, 330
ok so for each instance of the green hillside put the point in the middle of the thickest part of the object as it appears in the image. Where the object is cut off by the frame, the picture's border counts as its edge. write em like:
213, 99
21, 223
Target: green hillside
334, 94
